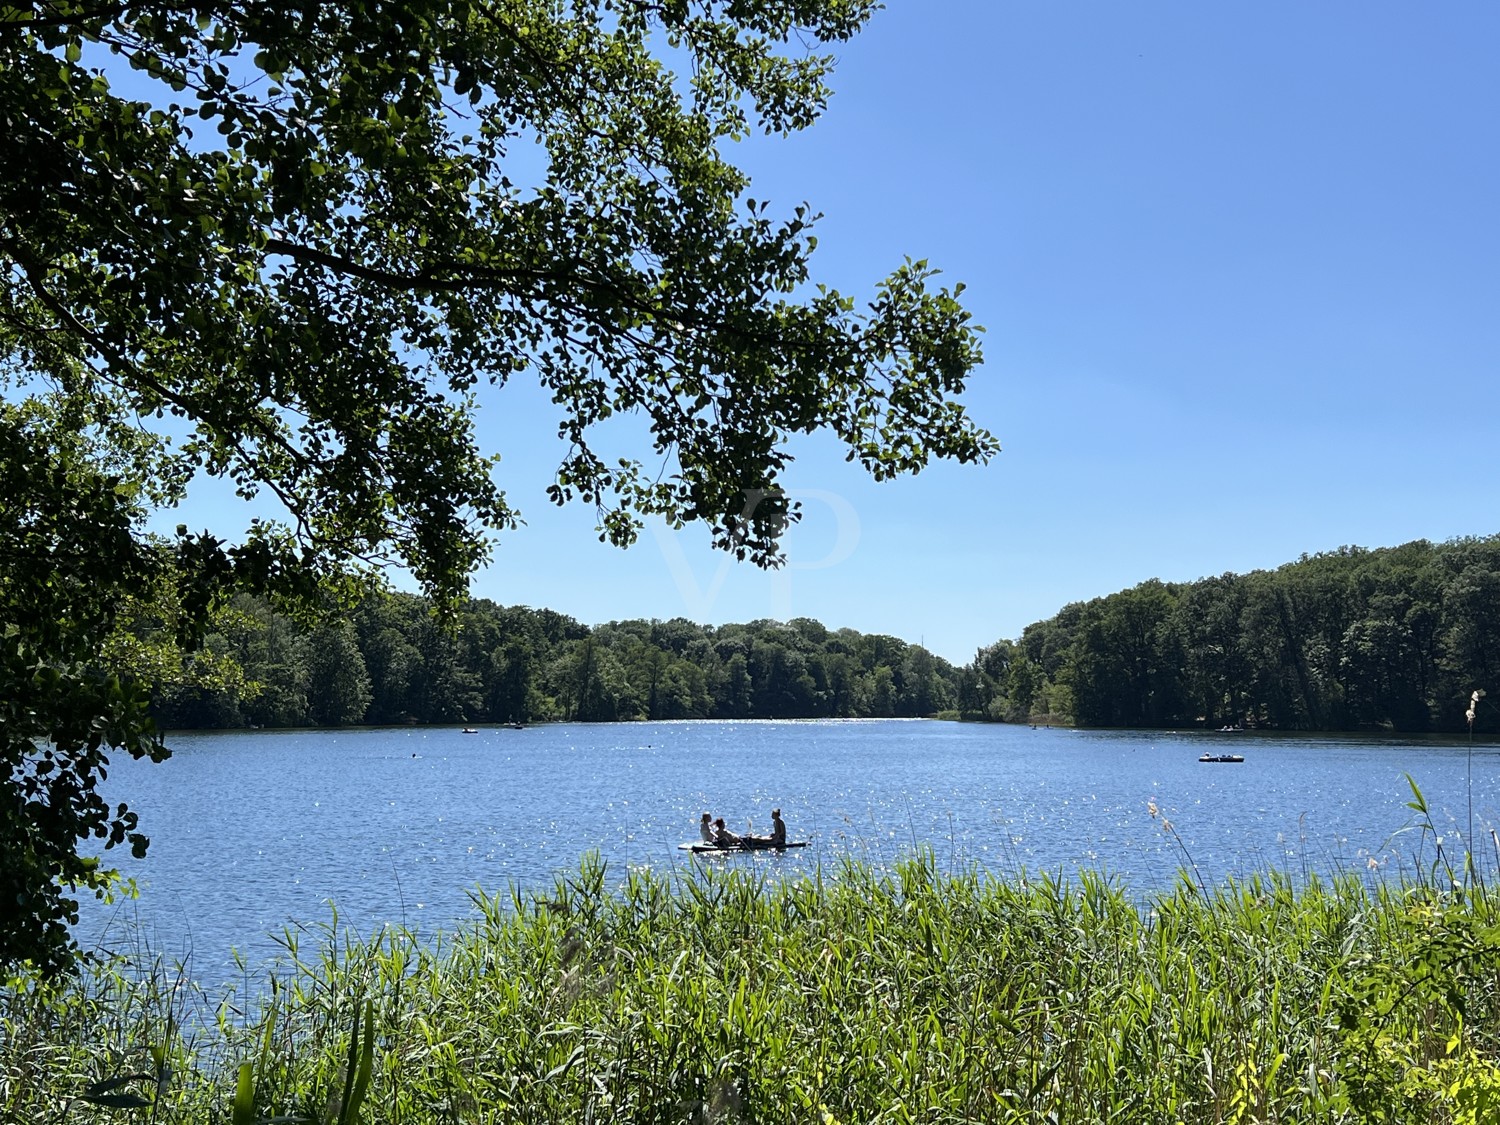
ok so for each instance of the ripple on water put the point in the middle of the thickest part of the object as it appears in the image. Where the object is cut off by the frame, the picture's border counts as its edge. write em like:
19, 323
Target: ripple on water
255, 831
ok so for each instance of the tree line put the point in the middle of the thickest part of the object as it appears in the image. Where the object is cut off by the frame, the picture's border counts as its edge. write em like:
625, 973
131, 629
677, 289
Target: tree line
1354, 639
392, 661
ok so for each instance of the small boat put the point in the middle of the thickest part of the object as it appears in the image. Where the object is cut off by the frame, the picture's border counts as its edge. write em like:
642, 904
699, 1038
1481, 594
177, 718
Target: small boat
700, 847
470, 730
1231, 730
1221, 758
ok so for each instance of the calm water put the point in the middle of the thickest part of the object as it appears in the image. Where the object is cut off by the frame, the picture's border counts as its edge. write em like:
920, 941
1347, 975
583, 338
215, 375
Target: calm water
254, 831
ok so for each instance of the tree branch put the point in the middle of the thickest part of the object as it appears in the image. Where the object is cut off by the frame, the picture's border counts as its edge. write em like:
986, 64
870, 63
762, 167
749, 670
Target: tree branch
133, 373
113, 11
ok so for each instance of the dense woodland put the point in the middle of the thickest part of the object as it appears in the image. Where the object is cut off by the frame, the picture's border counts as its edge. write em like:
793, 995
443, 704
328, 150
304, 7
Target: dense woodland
390, 661
1354, 639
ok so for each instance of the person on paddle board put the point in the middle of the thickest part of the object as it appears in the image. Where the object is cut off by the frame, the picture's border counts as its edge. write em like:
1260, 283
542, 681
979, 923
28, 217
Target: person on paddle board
778, 829
777, 838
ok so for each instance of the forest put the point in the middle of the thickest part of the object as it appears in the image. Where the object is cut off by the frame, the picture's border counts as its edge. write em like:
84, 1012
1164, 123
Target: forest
1354, 639
391, 661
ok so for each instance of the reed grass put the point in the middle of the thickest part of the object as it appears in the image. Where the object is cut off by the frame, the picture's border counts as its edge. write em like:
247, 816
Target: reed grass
860, 994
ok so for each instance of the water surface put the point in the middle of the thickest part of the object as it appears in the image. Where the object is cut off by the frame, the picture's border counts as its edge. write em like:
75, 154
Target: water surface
255, 831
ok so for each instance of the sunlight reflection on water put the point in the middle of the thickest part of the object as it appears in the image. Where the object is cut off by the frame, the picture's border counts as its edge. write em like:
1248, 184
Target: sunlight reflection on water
254, 831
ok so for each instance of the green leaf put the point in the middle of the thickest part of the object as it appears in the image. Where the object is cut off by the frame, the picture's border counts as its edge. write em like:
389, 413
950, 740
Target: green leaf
1419, 803
366, 1063
243, 1112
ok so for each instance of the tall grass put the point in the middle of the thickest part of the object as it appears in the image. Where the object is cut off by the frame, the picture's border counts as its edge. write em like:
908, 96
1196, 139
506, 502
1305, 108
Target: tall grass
859, 994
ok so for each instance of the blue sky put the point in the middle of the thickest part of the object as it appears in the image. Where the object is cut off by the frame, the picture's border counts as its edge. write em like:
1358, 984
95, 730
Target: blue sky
1239, 267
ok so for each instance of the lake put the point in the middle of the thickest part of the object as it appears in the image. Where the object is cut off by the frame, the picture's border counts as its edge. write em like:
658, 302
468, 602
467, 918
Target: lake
253, 831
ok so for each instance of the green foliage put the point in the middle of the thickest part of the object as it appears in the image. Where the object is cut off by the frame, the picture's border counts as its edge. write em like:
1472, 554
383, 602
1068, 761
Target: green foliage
70, 568
1406, 1012
1354, 639
898, 993
310, 233
389, 662
93, 615
283, 246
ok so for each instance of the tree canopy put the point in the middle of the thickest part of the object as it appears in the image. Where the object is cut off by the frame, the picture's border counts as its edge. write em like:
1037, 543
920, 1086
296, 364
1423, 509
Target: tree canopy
388, 662
1395, 638
283, 244
353, 213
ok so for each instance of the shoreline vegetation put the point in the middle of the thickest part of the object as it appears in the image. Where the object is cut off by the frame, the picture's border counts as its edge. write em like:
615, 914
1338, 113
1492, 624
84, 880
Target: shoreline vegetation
1392, 639
869, 993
